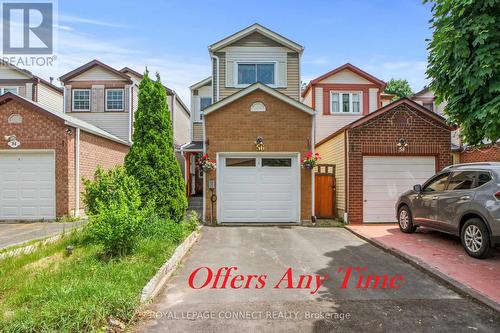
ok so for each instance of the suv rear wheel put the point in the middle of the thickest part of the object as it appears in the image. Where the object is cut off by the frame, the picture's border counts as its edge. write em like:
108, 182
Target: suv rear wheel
405, 221
476, 238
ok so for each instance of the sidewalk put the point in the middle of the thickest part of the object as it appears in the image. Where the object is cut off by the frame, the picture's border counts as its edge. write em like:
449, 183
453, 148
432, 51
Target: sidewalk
443, 256
15, 233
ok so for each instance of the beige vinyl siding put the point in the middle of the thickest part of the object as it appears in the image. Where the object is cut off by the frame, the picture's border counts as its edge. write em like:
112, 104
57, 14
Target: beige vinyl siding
290, 75
333, 152
346, 77
307, 100
8, 73
115, 123
181, 124
97, 74
21, 90
256, 39
28, 93
198, 131
328, 124
49, 98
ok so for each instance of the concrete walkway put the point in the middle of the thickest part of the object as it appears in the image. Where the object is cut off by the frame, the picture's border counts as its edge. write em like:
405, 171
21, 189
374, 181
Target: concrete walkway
15, 233
421, 304
442, 254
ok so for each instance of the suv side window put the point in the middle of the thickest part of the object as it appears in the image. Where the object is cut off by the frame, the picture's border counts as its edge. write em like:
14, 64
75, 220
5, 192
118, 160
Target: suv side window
462, 180
483, 178
438, 183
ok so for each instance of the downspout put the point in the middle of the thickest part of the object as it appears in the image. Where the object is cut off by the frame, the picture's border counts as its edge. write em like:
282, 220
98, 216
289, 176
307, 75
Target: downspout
346, 176
217, 74
130, 116
204, 177
77, 172
313, 150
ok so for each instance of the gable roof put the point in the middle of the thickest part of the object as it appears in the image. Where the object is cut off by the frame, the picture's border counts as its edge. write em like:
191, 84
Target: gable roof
260, 29
68, 120
264, 88
402, 101
90, 65
201, 83
350, 67
30, 75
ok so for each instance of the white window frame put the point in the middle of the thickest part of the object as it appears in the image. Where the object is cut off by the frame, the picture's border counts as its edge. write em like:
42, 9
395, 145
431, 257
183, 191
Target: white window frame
360, 93
2, 89
106, 99
73, 100
253, 62
200, 112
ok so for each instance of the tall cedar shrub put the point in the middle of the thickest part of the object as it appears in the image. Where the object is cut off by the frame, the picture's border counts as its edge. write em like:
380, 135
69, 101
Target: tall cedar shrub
151, 159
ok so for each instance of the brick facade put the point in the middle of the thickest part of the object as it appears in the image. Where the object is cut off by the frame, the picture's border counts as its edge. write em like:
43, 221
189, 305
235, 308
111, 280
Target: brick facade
41, 130
485, 154
234, 128
378, 137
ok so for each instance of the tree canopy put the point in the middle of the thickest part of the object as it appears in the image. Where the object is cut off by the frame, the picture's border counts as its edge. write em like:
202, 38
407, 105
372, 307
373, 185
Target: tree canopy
399, 87
464, 65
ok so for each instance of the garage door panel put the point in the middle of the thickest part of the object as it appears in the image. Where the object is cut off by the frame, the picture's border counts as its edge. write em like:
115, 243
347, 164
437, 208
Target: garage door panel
258, 194
385, 178
27, 185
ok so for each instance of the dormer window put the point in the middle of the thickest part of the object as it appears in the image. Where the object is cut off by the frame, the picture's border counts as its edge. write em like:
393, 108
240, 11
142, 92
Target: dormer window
81, 100
114, 100
249, 73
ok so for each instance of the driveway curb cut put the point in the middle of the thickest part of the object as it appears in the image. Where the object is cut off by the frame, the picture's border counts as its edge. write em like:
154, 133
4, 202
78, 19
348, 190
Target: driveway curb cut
453, 284
165, 272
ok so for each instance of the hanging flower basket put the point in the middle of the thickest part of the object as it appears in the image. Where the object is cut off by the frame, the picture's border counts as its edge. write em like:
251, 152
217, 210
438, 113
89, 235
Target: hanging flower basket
206, 164
310, 161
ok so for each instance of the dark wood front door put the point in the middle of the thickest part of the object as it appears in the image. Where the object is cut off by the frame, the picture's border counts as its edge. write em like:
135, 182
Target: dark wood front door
324, 191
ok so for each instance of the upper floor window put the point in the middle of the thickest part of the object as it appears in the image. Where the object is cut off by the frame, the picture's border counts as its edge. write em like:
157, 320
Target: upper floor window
114, 100
257, 72
205, 102
429, 106
4, 90
81, 100
345, 102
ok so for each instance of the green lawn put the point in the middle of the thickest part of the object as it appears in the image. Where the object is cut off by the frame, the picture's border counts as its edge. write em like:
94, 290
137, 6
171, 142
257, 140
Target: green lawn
47, 291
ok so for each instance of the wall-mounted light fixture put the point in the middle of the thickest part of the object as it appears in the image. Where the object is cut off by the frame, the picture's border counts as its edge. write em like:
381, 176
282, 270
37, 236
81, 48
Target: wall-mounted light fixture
402, 144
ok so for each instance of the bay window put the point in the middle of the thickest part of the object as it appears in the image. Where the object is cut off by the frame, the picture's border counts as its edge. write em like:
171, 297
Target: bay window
249, 73
345, 102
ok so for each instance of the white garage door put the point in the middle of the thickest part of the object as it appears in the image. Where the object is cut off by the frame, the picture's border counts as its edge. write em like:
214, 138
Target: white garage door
27, 185
386, 177
258, 189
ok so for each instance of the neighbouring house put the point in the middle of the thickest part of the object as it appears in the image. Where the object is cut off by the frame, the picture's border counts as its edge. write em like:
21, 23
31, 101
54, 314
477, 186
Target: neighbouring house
248, 118
342, 96
44, 153
381, 155
461, 152
180, 115
23, 83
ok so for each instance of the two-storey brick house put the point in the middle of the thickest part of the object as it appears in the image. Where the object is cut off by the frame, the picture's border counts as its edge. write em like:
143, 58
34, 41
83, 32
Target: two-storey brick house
248, 117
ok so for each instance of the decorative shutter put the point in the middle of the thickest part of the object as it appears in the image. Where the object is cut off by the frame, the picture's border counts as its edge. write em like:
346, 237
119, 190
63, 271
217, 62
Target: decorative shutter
230, 75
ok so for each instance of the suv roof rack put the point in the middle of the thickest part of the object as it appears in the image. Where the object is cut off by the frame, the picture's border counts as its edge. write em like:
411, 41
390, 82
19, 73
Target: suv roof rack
472, 164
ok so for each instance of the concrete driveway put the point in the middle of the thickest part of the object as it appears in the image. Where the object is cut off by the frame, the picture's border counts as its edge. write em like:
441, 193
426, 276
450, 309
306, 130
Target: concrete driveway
15, 233
421, 303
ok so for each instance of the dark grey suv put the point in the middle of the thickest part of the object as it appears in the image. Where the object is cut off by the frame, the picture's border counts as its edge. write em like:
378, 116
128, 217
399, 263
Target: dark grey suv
462, 200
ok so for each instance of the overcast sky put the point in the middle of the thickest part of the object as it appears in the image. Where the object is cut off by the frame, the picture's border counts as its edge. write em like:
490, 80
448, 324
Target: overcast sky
384, 38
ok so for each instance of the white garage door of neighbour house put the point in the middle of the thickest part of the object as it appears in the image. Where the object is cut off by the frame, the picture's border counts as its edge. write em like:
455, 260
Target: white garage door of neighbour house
258, 188
27, 185
385, 178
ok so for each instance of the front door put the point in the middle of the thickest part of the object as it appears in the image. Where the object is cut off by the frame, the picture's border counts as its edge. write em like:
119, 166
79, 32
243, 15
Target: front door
324, 191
